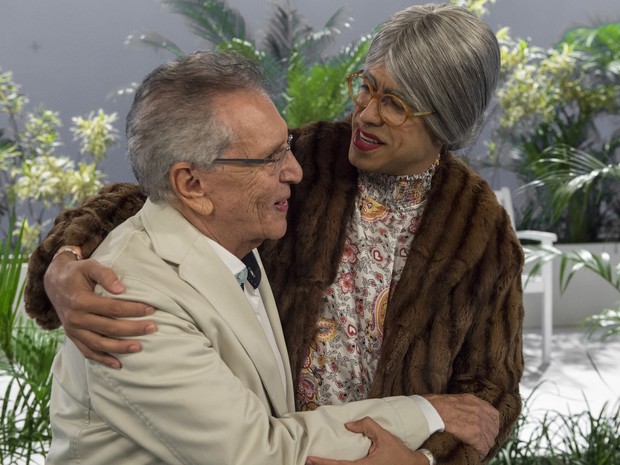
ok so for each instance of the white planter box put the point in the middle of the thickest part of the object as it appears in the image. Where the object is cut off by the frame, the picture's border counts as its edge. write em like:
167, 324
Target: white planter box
586, 295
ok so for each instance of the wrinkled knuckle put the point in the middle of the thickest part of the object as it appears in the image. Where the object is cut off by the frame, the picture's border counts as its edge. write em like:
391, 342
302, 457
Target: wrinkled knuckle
116, 310
70, 317
111, 329
93, 343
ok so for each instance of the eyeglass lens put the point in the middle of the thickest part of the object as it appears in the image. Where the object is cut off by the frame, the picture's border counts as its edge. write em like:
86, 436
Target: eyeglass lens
391, 108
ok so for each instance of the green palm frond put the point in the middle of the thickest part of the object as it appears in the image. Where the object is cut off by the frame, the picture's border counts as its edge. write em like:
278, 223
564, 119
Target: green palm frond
606, 324
286, 28
581, 188
212, 20
314, 44
26, 359
25, 429
318, 91
569, 172
579, 259
11, 259
154, 40
601, 45
537, 256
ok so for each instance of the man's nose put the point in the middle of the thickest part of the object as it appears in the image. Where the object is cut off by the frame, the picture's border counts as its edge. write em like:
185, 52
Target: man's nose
291, 169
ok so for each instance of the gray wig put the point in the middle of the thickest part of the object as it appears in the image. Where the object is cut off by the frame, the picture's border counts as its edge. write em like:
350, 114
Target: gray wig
172, 118
444, 59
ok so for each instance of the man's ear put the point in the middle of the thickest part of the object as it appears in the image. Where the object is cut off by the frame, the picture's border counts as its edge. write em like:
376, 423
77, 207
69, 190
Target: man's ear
189, 184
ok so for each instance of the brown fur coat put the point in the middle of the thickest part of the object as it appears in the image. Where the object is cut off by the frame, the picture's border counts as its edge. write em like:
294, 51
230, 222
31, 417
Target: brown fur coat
454, 321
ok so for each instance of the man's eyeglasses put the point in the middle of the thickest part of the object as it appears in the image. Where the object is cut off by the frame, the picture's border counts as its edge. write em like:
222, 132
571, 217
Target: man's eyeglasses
393, 110
274, 159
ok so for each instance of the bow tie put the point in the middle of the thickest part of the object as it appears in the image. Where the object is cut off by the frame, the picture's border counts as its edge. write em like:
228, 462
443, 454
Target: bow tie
251, 273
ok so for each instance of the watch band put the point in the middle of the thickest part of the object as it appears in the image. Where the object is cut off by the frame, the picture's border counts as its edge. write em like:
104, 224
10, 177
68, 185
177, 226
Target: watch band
74, 249
429, 455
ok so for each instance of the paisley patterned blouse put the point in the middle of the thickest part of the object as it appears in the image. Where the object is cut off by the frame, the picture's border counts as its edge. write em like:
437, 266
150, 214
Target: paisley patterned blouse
340, 363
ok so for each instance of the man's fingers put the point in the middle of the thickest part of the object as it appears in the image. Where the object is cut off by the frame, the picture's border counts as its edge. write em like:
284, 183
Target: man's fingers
105, 328
121, 328
89, 304
322, 461
104, 276
105, 359
366, 426
99, 346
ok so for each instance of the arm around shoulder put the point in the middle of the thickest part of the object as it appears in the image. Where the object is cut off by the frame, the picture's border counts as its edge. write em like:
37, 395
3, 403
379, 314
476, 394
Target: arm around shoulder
84, 226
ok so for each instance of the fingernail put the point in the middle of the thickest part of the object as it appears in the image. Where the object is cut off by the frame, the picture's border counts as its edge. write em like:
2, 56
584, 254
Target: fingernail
133, 348
116, 365
149, 310
150, 329
117, 286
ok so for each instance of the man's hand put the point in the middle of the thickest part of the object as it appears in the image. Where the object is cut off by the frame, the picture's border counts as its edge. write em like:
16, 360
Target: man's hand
469, 418
385, 449
91, 320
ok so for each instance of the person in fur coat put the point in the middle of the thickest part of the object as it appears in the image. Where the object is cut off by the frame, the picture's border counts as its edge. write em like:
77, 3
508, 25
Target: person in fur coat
399, 272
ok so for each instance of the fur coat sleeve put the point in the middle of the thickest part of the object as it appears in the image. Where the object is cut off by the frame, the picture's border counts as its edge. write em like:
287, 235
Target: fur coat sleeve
84, 226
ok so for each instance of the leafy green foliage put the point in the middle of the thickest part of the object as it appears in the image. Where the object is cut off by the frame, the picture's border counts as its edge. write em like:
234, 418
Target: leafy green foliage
587, 438
582, 191
306, 82
212, 20
34, 176
552, 102
607, 322
317, 93
26, 355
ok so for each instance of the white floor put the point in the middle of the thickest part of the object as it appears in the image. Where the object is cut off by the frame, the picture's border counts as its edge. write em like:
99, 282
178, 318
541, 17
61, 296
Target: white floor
584, 374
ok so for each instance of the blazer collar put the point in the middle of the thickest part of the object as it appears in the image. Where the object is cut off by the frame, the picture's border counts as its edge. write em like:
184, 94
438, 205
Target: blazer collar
179, 242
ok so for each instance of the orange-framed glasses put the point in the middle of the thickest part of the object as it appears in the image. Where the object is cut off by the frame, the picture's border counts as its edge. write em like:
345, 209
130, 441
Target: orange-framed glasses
393, 110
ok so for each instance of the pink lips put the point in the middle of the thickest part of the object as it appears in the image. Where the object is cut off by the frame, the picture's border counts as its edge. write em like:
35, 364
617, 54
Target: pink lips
366, 141
282, 206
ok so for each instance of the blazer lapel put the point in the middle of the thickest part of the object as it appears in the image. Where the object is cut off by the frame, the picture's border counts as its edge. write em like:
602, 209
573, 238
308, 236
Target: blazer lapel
276, 325
176, 240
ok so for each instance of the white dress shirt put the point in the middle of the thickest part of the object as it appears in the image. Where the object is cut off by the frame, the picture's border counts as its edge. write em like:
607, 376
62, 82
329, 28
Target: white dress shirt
236, 265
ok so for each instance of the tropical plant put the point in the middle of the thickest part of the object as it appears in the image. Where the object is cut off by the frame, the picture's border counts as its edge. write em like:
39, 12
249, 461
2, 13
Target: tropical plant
306, 81
33, 175
552, 104
607, 322
26, 354
576, 179
586, 438
575, 174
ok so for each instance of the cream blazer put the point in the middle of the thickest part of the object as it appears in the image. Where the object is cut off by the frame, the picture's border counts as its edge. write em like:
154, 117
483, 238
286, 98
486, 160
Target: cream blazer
205, 389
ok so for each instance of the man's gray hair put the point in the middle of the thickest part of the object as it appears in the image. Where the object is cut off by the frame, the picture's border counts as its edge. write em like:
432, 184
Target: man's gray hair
444, 59
172, 117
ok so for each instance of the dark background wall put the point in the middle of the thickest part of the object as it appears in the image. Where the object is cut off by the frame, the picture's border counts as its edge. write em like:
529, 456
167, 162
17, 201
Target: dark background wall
69, 55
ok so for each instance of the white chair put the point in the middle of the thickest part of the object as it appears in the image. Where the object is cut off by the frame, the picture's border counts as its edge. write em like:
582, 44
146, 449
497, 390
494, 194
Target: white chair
540, 283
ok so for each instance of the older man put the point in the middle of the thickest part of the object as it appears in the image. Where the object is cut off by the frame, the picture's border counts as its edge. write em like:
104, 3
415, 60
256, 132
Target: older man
213, 385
